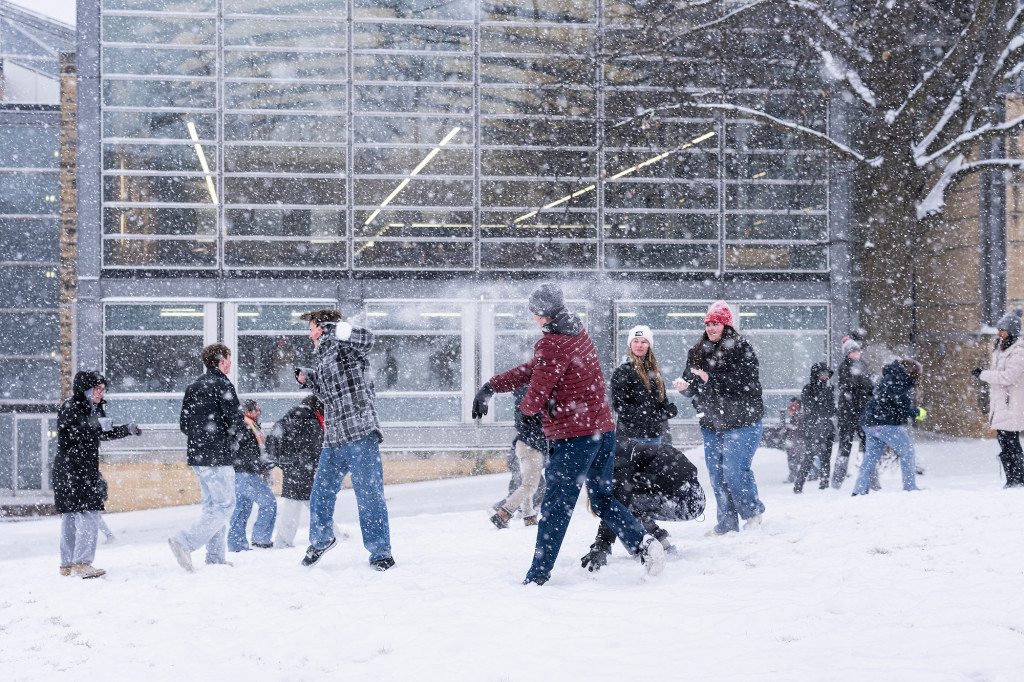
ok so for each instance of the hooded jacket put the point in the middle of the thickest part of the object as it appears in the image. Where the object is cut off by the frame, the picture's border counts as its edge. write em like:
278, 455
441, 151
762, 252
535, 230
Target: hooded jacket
77, 483
731, 398
565, 371
1005, 376
855, 388
892, 403
211, 420
819, 407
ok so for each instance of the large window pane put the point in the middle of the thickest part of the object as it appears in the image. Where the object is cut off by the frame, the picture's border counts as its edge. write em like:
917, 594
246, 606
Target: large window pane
151, 364
270, 190
158, 157
29, 286
495, 255
405, 255
29, 239
28, 333
119, 252
389, 36
191, 94
146, 61
285, 127
272, 341
282, 159
321, 254
157, 188
287, 96
166, 31
159, 125
295, 222
412, 68
453, 10
167, 221
28, 147
655, 256
281, 33
25, 192
33, 380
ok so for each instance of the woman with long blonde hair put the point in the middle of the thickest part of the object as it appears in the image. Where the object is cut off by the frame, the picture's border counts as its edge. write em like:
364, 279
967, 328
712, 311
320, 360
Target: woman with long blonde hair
638, 391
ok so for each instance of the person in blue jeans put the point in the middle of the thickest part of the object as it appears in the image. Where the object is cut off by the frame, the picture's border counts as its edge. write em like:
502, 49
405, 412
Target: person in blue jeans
341, 380
885, 423
722, 377
251, 487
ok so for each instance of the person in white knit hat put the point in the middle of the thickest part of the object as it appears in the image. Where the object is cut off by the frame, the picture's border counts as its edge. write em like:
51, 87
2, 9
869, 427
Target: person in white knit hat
638, 391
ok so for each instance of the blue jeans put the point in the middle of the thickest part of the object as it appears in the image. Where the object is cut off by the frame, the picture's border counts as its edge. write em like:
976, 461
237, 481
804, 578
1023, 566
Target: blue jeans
656, 440
897, 438
728, 455
362, 459
217, 486
573, 461
250, 488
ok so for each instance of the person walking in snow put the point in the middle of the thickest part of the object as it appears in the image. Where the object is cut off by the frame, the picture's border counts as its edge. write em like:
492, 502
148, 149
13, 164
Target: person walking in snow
79, 489
1005, 377
885, 423
638, 391
795, 445
294, 445
819, 408
212, 422
251, 486
656, 482
855, 388
530, 448
567, 388
352, 436
722, 377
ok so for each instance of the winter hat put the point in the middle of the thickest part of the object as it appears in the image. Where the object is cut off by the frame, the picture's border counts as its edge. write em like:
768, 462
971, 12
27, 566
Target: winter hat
1010, 322
641, 331
819, 368
249, 404
719, 313
849, 345
546, 300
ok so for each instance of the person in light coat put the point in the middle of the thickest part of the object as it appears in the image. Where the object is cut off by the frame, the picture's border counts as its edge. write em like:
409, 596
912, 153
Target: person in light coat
1005, 377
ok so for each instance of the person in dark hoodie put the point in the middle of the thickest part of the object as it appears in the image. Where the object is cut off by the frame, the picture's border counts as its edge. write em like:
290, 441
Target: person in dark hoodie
251, 486
78, 487
567, 388
819, 407
1005, 376
855, 388
531, 450
885, 423
212, 422
294, 445
656, 482
723, 379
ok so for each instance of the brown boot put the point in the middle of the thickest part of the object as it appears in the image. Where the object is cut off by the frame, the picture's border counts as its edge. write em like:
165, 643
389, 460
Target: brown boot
501, 517
86, 571
65, 571
530, 520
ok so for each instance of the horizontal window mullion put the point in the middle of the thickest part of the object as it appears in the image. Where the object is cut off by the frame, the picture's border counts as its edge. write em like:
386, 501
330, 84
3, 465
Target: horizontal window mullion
204, 238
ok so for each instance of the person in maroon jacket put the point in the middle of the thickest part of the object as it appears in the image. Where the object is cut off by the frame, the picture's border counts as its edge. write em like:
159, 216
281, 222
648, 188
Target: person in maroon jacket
566, 387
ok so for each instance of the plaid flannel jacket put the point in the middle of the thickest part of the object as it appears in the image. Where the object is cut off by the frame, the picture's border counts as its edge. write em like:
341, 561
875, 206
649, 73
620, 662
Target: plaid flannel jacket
341, 379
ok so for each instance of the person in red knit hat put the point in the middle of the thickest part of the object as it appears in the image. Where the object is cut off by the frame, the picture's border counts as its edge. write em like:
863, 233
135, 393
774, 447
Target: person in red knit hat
723, 379
566, 387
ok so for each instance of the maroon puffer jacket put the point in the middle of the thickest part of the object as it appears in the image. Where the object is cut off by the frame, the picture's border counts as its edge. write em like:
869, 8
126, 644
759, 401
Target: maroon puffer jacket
564, 367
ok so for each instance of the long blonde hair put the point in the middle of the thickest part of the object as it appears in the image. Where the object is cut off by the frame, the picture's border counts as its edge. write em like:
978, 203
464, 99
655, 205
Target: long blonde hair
646, 367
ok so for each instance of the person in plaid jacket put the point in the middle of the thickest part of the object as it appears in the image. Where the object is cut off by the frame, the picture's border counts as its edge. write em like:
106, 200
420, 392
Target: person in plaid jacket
352, 436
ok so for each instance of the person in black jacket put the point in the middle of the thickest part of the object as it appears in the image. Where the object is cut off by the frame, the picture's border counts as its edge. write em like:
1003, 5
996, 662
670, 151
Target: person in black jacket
294, 445
251, 486
885, 423
531, 450
723, 379
819, 408
78, 487
213, 425
656, 482
638, 391
855, 387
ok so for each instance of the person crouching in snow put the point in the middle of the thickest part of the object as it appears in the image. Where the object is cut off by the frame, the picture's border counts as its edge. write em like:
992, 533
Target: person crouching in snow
1005, 375
655, 482
78, 487
819, 407
566, 387
531, 447
885, 422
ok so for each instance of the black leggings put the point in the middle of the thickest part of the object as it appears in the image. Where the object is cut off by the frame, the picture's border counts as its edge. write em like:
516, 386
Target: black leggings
1012, 456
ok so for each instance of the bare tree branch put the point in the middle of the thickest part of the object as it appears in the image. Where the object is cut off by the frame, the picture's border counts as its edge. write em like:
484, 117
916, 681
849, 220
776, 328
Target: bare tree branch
965, 142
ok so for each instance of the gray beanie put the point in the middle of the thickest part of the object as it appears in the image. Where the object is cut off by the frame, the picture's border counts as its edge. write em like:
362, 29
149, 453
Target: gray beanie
546, 300
1010, 322
849, 345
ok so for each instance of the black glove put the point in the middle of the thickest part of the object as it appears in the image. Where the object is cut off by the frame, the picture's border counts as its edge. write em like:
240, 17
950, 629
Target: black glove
480, 401
976, 372
532, 420
596, 557
668, 410
328, 327
551, 407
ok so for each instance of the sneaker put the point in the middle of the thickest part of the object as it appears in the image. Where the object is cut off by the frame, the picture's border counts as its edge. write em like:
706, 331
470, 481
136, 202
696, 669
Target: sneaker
752, 523
652, 555
263, 545
86, 571
382, 564
65, 571
530, 520
183, 557
313, 555
215, 562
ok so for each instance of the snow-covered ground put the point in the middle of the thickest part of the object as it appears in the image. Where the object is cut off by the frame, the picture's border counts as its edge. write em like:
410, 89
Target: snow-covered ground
894, 586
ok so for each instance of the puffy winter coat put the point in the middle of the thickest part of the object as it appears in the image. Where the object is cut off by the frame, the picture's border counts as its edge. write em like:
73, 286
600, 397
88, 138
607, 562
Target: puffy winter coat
565, 370
892, 403
77, 483
819, 407
855, 388
641, 411
294, 444
211, 420
731, 399
1006, 393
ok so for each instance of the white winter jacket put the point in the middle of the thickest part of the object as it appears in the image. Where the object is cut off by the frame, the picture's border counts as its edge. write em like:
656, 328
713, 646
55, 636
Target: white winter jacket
1006, 393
